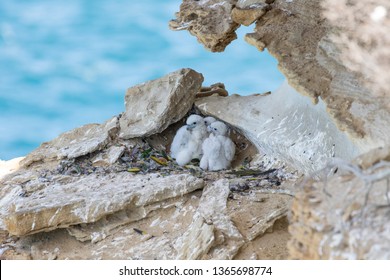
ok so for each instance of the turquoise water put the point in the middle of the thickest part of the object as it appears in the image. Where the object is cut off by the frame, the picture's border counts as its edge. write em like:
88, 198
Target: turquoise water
67, 63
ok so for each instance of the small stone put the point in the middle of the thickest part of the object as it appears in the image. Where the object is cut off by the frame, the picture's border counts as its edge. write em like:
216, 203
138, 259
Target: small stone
109, 157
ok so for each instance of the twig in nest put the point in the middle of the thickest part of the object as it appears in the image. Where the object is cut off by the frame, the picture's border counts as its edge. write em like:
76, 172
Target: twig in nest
251, 172
218, 88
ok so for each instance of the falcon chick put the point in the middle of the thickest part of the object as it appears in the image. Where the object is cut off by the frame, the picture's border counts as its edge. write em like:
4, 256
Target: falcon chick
218, 149
208, 121
187, 143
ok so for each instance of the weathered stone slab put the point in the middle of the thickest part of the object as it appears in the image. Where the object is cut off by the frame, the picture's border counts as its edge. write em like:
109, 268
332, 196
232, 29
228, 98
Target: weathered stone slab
213, 208
86, 199
197, 225
111, 224
75, 143
161, 228
254, 214
344, 216
106, 226
108, 157
151, 107
196, 241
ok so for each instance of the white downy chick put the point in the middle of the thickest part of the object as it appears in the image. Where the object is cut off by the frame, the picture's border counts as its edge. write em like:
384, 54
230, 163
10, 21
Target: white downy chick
187, 143
208, 121
180, 140
218, 149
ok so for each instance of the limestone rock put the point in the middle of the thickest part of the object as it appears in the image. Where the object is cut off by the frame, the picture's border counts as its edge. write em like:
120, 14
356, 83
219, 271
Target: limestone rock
196, 241
9, 166
159, 248
258, 213
297, 133
363, 34
225, 228
344, 216
247, 12
75, 143
213, 208
373, 157
209, 21
111, 224
299, 36
151, 107
135, 233
85, 200
341, 60
108, 157
247, 4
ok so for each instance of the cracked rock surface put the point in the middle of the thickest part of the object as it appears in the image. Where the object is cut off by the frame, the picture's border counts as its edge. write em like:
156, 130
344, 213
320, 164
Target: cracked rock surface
100, 192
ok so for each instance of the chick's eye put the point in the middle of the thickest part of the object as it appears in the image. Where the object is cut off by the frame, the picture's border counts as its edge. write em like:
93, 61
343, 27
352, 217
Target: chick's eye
215, 129
194, 122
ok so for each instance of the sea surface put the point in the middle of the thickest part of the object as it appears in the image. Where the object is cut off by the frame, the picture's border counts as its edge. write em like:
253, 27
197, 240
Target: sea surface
66, 63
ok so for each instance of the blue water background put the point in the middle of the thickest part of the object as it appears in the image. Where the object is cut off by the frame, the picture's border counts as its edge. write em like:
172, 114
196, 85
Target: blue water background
65, 63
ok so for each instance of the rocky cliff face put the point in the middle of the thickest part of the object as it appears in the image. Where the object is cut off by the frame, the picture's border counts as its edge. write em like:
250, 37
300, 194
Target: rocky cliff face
304, 42
335, 53
345, 216
110, 191
318, 144
363, 34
